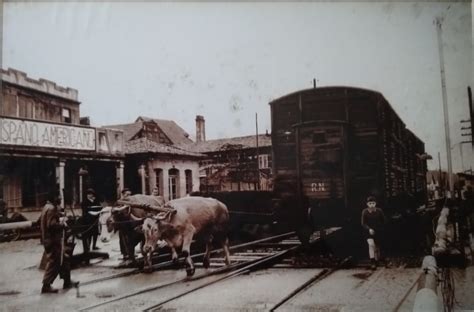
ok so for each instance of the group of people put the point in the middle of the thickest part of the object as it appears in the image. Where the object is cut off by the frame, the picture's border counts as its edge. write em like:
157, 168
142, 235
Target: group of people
57, 236
58, 250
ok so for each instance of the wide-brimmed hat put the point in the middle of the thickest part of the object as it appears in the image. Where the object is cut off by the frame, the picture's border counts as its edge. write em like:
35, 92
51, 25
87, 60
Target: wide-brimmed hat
90, 191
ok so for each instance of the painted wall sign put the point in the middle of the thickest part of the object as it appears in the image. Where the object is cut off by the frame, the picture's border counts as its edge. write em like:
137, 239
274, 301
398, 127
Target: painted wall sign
41, 134
318, 187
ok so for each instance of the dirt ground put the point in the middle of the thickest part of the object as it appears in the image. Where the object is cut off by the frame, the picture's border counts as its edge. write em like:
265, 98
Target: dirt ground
346, 290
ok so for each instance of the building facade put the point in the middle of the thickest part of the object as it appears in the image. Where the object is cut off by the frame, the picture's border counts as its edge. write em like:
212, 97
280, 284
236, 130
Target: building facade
153, 158
233, 164
45, 143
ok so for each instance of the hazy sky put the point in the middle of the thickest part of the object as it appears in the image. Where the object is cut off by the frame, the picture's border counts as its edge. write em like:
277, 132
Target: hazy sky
226, 61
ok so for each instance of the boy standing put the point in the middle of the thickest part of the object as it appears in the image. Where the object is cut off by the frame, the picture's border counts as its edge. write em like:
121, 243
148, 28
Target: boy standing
373, 221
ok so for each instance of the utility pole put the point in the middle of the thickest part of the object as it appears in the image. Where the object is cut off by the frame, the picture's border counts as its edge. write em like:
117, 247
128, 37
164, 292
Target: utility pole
258, 154
471, 120
439, 22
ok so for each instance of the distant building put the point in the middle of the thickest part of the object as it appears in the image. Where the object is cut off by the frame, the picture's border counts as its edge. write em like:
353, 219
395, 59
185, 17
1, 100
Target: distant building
43, 144
438, 183
154, 158
233, 164
466, 181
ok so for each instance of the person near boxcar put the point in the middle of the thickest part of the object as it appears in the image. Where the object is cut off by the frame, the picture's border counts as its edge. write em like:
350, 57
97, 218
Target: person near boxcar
466, 213
91, 223
3, 211
468, 208
57, 247
373, 222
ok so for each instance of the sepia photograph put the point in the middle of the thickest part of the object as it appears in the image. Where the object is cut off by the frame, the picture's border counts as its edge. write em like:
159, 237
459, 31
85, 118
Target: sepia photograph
236, 156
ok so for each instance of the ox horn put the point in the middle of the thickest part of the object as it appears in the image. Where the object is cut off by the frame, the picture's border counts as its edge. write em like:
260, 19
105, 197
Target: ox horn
96, 213
164, 215
136, 218
115, 209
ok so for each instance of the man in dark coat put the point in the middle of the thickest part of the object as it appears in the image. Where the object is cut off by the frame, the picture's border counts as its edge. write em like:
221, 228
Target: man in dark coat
91, 231
373, 221
126, 193
58, 251
3, 212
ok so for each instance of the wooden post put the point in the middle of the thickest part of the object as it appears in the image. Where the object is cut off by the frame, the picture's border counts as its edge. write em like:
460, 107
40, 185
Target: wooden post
15, 225
443, 234
119, 177
80, 188
439, 22
426, 297
141, 172
60, 179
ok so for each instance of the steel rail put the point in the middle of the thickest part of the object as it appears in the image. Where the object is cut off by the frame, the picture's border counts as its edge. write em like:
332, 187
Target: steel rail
317, 278
155, 287
267, 260
252, 265
405, 296
221, 270
182, 259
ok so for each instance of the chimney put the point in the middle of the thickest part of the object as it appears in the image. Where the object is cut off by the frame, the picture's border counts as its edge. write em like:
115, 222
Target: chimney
200, 129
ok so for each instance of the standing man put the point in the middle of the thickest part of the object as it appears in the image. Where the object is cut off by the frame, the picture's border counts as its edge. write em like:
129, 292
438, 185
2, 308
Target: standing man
3, 211
57, 249
92, 232
373, 221
122, 238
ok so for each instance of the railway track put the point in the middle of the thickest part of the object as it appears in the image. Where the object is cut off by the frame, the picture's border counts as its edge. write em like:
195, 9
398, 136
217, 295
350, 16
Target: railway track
252, 256
315, 279
170, 264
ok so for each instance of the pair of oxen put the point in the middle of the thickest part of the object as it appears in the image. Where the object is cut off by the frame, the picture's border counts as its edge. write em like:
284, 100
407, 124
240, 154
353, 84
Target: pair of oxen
147, 219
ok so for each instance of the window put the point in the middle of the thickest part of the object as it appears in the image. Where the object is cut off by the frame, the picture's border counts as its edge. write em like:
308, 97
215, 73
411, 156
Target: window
189, 181
173, 184
66, 115
103, 146
263, 161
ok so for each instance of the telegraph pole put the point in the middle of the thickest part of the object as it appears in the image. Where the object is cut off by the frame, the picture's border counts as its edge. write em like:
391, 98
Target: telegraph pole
439, 22
258, 154
470, 120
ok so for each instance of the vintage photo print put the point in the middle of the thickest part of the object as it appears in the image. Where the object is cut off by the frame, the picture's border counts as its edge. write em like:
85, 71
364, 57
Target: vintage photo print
236, 156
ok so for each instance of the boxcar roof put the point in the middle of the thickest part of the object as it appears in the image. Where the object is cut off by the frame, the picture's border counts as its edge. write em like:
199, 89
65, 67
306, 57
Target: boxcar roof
328, 88
414, 135
341, 88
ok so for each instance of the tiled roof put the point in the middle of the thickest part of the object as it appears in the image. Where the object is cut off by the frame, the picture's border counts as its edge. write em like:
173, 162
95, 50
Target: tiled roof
129, 130
220, 144
173, 131
143, 145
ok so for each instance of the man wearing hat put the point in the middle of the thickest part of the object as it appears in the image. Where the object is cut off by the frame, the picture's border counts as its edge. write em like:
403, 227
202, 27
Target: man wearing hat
92, 231
373, 221
54, 235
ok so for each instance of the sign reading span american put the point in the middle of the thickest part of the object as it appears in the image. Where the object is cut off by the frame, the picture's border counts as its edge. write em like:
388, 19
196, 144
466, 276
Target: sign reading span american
42, 134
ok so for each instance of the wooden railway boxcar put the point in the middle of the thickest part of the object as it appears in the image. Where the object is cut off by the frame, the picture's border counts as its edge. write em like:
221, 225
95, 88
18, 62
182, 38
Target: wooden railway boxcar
334, 146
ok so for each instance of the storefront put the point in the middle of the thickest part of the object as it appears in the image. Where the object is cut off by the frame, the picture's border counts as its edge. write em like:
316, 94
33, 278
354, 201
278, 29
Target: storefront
44, 143
35, 156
